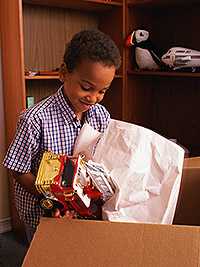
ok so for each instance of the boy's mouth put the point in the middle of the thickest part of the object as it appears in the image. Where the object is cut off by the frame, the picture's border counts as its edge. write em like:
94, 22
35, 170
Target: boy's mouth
86, 103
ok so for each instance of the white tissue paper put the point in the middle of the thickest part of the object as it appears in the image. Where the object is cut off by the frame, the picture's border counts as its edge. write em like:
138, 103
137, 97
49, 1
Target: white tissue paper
145, 166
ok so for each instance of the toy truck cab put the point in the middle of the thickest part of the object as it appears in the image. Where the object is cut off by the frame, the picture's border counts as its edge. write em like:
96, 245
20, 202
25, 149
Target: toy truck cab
64, 184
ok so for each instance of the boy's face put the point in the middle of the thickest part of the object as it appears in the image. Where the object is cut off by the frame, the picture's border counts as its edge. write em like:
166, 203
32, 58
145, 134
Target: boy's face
87, 85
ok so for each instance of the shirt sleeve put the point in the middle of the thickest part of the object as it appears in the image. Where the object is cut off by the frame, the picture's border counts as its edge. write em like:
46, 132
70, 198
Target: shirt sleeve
24, 146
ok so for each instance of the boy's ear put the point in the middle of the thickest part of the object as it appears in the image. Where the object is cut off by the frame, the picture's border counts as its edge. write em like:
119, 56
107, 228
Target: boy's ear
62, 72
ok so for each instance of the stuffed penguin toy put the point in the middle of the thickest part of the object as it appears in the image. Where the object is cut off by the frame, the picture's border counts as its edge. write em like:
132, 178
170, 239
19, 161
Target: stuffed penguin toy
145, 56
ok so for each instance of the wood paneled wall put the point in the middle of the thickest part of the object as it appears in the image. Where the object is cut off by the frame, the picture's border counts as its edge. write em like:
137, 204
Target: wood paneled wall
46, 32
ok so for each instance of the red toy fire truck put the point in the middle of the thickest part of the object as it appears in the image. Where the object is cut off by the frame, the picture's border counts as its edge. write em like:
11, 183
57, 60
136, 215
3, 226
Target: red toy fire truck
73, 184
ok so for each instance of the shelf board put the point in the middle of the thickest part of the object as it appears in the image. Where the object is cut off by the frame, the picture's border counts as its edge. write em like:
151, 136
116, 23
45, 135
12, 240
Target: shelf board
160, 3
118, 76
111, 2
90, 5
55, 77
42, 77
164, 73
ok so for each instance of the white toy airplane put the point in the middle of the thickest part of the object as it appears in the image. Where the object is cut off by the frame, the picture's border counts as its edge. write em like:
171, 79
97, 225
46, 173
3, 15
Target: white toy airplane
181, 58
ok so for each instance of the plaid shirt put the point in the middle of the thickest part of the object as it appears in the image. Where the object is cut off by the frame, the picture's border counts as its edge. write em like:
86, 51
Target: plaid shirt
50, 125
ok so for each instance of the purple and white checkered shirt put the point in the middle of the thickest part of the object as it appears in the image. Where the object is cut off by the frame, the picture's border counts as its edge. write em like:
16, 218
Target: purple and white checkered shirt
51, 125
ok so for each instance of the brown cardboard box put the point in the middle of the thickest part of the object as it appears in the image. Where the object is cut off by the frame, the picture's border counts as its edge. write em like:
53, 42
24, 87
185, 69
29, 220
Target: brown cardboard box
79, 243
59, 242
187, 210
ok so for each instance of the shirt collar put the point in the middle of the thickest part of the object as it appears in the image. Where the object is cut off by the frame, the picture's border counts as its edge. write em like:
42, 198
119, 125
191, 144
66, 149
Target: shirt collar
67, 111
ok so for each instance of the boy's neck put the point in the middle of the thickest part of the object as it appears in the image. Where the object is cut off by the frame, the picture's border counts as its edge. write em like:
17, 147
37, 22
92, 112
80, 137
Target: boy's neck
80, 116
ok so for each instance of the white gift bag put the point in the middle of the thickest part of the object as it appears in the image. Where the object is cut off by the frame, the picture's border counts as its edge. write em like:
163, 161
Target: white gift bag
146, 167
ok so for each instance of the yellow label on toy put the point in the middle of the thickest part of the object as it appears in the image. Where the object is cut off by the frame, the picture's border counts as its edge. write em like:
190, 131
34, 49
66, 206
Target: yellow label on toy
48, 170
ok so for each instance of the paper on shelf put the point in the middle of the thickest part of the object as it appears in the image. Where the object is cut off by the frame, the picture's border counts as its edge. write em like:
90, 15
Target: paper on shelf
146, 167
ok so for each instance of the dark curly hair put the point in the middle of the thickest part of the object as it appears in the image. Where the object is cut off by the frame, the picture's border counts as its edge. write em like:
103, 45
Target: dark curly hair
94, 45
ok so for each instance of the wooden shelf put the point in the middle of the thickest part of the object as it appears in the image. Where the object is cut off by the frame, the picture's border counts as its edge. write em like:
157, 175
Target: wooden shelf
161, 3
90, 5
55, 77
118, 76
107, 2
42, 77
164, 73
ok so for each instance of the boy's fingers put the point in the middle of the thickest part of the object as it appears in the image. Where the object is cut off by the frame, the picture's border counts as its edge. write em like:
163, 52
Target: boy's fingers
70, 214
56, 213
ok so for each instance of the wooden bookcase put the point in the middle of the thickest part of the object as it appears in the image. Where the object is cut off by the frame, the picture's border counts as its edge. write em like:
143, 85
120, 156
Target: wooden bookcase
33, 36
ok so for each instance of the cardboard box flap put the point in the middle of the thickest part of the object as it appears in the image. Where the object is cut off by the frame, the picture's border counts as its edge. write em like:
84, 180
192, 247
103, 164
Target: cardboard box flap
189, 198
78, 243
192, 162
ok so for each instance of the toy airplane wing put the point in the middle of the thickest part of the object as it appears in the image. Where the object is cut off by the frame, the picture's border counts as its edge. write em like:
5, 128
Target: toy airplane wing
182, 60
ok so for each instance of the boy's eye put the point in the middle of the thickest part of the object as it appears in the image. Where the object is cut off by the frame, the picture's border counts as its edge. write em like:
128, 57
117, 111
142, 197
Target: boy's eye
88, 89
85, 88
102, 92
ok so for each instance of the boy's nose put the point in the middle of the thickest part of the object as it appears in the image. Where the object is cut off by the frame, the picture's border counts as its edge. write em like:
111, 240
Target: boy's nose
93, 98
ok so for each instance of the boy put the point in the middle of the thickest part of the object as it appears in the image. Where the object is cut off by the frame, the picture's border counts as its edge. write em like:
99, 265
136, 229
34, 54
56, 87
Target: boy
89, 66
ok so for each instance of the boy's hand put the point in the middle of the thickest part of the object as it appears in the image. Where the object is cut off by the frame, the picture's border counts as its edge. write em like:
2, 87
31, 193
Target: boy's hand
68, 214
27, 181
